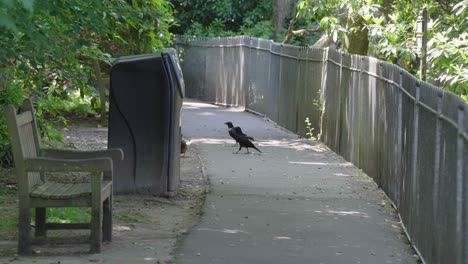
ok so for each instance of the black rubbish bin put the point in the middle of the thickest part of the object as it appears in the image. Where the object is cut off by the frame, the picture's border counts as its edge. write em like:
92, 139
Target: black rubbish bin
146, 97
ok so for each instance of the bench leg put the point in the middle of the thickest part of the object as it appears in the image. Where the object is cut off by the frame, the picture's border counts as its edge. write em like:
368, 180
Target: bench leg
107, 220
40, 222
24, 230
96, 229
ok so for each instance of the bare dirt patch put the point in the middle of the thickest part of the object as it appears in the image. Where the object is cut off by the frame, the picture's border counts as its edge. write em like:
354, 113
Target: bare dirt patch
146, 228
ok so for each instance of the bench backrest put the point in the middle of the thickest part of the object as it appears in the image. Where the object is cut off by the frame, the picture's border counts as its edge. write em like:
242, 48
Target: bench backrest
24, 137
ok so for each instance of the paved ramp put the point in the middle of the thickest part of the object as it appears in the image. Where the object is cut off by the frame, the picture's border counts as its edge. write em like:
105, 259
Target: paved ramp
297, 202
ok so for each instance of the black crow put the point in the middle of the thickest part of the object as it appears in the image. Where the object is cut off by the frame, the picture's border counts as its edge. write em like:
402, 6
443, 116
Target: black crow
236, 132
244, 142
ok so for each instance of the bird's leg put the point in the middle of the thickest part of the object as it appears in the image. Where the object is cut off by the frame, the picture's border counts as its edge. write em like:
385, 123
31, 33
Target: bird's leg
247, 151
240, 147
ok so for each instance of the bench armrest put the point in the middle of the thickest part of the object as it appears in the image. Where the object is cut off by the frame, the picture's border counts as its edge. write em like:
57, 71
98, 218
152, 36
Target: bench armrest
115, 154
68, 165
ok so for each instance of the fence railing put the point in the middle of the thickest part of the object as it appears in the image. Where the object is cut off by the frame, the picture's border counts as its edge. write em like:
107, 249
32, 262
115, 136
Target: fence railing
409, 136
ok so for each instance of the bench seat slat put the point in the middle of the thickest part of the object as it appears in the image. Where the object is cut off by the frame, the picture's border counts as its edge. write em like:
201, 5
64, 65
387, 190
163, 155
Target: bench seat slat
62, 191
75, 190
44, 189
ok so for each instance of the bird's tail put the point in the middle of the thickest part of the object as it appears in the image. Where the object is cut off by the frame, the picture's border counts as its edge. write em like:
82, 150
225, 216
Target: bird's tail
256, 149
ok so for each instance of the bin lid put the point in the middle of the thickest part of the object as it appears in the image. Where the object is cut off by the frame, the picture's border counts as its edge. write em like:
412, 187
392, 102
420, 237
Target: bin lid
178, 70
174, 60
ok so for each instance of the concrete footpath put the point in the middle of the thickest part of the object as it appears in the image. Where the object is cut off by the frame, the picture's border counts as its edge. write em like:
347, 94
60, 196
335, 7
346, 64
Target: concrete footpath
297, 202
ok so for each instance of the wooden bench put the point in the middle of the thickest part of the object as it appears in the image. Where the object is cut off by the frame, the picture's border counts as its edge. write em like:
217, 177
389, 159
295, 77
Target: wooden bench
35, 191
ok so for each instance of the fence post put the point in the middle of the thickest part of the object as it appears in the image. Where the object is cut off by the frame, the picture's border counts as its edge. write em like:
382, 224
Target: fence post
414, 161
380, 141
339, 120
267, 109
436, 180
421, 36
247, 72
465, 198
400, 138
298, 93
323, 129
460, 233
360, 111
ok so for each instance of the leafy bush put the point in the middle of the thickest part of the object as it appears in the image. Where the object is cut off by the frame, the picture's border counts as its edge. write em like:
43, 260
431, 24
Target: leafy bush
222, 18
391, 27
48, 49
261, 29
448, 50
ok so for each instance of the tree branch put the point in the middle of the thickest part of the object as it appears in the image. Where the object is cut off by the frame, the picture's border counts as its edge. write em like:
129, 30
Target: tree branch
304, 31
292, 23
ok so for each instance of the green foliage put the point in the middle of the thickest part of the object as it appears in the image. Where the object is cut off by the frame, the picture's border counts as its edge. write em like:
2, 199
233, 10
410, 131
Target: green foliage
448, 48
215, 29
8, 223
69, 215
261, 29
48, 48
66, 215
325, 14
450, 55
310, 130
9, 217
392, 33
223, 18
391, 42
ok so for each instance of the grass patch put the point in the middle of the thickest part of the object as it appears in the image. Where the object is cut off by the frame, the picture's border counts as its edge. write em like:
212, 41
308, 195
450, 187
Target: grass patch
8, 223
4, 192
69, 215
8, 208
7, 252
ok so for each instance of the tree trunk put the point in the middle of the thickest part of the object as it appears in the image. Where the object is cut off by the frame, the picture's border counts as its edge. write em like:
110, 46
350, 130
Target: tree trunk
323, 42
300, 32
357, 38
102, 94
281, 9
386, 9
